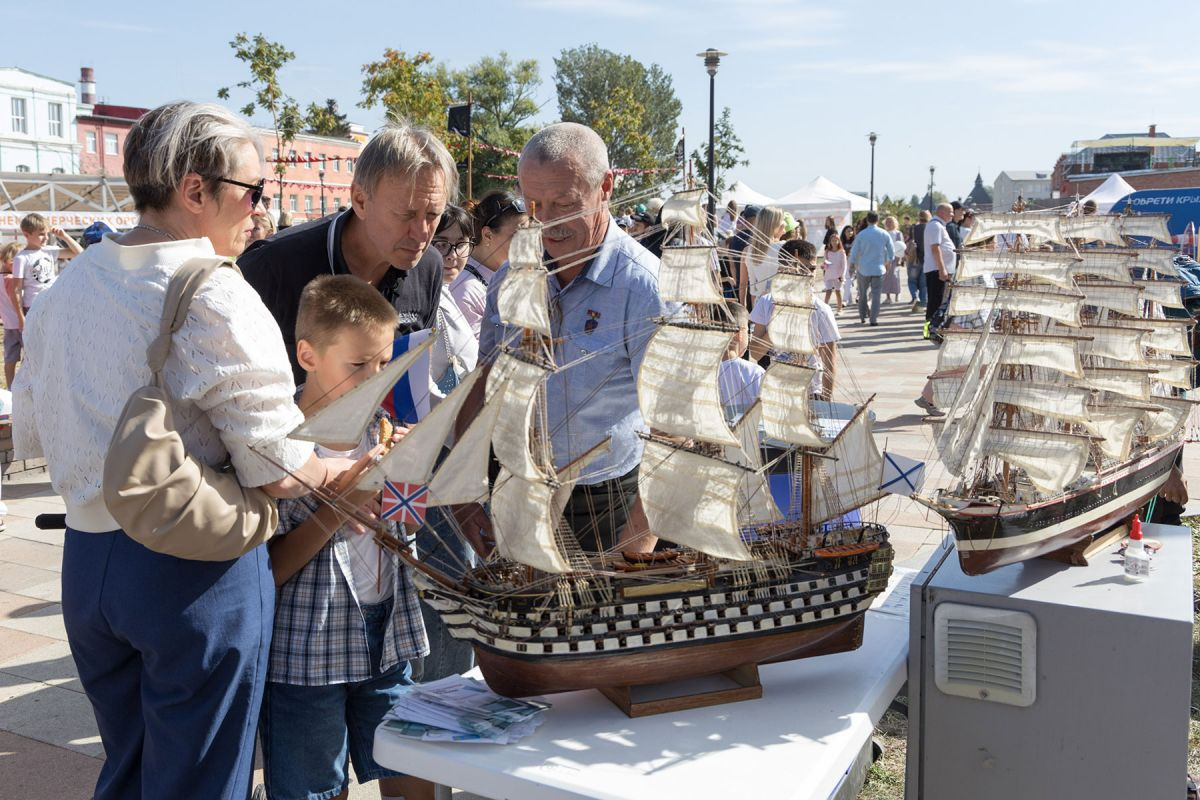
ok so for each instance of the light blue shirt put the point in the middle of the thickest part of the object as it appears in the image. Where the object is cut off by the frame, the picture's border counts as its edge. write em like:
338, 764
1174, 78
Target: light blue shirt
872, 251
601, 323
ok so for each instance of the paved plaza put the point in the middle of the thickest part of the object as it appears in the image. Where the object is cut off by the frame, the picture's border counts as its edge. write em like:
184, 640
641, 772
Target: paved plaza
49, 748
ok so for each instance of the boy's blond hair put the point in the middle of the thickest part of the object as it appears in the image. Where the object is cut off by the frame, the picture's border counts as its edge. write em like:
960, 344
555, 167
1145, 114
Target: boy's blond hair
330, 303
8, 252
738, 314
34, 223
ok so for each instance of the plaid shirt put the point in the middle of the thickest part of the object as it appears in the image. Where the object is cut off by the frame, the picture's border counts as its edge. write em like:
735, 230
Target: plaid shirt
320, 636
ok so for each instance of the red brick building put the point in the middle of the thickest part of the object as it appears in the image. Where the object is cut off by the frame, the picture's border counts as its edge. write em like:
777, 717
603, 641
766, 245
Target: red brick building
102, 132
317, 166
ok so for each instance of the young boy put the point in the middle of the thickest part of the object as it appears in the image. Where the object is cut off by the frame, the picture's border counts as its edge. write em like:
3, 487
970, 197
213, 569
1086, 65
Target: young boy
347, 617
739, 381
35, 268
8, 314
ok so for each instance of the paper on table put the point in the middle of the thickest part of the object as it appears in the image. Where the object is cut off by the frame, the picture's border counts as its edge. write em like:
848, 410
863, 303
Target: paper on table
463, 706
894, 599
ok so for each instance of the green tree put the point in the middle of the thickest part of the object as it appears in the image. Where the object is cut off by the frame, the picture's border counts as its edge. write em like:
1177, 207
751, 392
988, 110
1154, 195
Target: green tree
502, 95
621, 122
587, 80
897, 207
326, 120
265, 59
409, 88
728, 153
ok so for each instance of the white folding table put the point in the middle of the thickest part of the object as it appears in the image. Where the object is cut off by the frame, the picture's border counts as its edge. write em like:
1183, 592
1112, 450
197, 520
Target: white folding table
800, 740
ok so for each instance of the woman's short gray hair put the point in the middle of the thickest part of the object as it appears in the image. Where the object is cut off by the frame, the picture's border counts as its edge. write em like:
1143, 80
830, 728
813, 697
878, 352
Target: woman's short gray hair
569, 140
401, 148
174, 140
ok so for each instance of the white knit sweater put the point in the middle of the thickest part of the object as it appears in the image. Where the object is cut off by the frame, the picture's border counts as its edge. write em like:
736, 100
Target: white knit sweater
85, 352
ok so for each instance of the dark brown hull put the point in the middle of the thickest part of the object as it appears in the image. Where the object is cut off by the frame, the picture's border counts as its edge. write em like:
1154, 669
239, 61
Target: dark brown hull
517, 677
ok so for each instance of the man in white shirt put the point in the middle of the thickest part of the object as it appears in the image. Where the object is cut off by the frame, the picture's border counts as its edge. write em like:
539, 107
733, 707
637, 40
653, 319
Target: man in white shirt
940, 260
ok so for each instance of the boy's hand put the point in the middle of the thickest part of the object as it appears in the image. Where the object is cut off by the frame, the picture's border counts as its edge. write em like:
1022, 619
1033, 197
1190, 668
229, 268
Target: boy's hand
59, 232
348, 474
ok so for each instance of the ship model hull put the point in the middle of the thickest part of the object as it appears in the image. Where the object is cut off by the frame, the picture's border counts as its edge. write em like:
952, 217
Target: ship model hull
992, 535
523, 649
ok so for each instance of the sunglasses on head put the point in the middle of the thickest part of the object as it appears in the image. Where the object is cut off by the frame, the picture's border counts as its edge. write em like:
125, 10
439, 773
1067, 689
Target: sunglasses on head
256, 189
516, 204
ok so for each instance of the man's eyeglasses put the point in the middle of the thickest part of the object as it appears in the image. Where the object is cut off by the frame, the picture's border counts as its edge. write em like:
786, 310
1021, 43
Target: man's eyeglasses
461, 249
256, 189
515, 204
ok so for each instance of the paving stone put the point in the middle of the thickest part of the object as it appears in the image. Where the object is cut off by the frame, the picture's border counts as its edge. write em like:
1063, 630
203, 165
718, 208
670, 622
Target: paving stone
31, 554
49, 714
51, 664
17, 577
15, 605
15, 642
46, 621
34, 770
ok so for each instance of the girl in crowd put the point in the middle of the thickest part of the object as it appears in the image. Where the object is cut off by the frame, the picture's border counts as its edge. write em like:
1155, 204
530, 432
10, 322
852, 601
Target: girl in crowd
847, 237
495, 219
891, 277
835, 269
760, 259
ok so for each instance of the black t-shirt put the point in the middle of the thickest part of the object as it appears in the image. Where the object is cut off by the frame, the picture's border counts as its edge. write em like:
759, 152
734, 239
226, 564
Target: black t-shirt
280, 267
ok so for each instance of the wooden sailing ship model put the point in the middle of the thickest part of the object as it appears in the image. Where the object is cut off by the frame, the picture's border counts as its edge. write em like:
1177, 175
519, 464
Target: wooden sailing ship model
1063, 407
747, 583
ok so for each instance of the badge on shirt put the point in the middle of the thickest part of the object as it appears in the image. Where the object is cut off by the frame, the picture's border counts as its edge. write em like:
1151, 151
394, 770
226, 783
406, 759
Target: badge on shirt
593, 321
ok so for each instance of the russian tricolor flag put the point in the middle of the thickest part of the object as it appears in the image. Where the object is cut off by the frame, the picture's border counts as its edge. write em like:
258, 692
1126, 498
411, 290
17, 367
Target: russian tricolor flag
409, 401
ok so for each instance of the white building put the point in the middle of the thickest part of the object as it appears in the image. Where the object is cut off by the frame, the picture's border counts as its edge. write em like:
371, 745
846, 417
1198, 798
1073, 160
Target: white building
1029, 184
37, 123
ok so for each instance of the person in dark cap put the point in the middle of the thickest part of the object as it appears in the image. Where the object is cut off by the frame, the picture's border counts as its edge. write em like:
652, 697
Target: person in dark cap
93, 233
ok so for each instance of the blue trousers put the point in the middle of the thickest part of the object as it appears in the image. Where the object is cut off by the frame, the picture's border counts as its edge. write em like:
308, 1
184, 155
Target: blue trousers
173, 657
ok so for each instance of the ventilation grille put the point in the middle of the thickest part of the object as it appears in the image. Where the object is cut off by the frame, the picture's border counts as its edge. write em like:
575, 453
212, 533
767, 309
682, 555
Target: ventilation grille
985, 653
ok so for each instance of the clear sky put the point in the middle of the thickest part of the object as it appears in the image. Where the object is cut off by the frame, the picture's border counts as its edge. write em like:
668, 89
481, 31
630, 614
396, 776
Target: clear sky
966, 87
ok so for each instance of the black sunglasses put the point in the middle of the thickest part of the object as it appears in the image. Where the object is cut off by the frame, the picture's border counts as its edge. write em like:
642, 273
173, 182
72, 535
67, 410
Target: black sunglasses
516, 204
256, 189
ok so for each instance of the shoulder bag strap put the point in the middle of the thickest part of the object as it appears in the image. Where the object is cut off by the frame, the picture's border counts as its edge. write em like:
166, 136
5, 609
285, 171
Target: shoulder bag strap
184, 284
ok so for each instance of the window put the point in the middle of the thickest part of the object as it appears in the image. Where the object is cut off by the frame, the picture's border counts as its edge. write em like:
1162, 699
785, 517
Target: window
337, 165
349, 165
22, 168
292, 159
321, 156
57, 171
56, 126
110, 144
274, 153
307, 159
292, 204
279, 201
308, 204
90, 138
19, 124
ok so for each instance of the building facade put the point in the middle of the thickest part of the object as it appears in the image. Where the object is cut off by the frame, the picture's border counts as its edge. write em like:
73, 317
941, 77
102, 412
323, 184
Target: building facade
1149, 160
316, 168
37, 123
1012, 183
102, 129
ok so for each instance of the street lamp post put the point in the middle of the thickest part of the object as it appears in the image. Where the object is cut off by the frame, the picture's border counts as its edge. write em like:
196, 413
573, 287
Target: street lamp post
871, 137
712, 59
321, 178
931, 190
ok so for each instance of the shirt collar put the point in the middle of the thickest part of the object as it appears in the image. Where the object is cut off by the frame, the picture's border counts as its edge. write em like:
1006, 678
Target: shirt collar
138, 256
601, 268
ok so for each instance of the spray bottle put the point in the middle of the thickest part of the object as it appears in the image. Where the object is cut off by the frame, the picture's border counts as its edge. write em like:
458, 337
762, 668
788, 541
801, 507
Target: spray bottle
1137, 560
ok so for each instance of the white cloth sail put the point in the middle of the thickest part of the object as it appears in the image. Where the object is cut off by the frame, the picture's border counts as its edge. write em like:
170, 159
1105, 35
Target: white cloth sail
412, 459
1172, 372
1036, 350
524, 522
785, 407
1153, 226
790, 329
960, 441
1168, 422
852, 480
526, 248
1054, 268
1067, 403
756, 505
344, 419
1122, 344
1091, 228
1158, 259
685, 208
1110, 266
522, 299
1056, 305
692, 500
513, 385
463, 476
1169, 338
677, 384
1125, 299
792, 288
1165, 293
685, 275
1133, 383
1037, 225
1050, 460
1114, 425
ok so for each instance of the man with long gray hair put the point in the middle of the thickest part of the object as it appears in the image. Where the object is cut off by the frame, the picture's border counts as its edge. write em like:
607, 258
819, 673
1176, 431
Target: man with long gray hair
403, 180
604, 292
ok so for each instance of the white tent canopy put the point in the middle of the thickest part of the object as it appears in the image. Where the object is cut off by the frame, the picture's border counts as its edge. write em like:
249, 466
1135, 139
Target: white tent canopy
1108, 193
743, 195
818, 199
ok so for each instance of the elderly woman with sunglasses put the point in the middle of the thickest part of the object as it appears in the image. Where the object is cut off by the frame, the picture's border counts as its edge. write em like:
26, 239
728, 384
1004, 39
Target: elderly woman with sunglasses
172, 653
496, 218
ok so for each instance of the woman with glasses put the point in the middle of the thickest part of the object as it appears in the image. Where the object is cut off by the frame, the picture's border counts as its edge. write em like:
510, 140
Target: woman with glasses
457, 349
172, 653
496, 217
